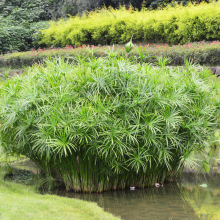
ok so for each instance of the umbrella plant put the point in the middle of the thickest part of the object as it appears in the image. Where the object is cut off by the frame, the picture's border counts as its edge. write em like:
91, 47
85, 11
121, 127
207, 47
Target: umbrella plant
108, 124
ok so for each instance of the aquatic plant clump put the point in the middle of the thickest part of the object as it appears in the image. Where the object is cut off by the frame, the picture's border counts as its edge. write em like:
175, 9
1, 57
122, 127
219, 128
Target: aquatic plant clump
107, 124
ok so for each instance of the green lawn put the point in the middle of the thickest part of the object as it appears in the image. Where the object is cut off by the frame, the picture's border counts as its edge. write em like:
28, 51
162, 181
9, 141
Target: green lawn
21, 202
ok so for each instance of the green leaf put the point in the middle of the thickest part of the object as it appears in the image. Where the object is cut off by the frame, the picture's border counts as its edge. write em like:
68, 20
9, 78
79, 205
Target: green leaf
129, 46
204, 185
206, 166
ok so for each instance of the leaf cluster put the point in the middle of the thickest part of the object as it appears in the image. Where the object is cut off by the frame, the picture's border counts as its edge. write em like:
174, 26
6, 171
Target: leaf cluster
106, 123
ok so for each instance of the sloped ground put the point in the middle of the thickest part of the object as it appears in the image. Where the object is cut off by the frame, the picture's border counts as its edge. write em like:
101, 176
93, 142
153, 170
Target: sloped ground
21, 202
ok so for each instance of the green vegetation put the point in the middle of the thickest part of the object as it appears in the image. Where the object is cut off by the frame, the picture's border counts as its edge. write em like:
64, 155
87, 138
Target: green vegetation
21, 22
21, 202
203, 53
4, 158
107, 123
98, 118
174, 25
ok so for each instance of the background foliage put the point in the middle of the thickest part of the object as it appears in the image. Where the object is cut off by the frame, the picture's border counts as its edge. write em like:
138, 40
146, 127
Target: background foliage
20, 21
53, 9
173, 25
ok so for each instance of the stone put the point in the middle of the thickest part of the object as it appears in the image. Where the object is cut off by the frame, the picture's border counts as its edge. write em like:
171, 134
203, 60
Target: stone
215, 70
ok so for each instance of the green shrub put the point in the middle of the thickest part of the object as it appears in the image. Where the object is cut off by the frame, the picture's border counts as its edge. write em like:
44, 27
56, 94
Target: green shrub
19, 20
107, 123
19, 37
172, 25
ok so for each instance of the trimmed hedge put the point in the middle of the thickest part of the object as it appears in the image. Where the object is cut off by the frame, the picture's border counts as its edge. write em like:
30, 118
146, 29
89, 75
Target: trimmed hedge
201, 53
171, 25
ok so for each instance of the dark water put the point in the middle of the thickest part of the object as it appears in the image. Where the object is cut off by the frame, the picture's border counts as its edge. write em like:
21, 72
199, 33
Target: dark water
176, 201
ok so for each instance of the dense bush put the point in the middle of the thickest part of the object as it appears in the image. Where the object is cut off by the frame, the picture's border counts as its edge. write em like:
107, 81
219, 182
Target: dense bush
203, 53
15, 36
108, 124
173, 25
53, 9
34, 10
19, 20
18, 26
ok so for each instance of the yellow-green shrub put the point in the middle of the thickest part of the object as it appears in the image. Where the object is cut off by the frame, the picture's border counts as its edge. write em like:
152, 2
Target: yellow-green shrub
106, 26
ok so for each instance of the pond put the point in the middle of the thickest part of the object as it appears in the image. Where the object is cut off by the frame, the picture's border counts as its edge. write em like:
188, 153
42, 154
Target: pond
186, 199
174, 201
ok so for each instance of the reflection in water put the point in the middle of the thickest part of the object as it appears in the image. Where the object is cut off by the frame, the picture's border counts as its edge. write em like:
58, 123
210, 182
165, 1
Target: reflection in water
204, 201
153, 203
185, 200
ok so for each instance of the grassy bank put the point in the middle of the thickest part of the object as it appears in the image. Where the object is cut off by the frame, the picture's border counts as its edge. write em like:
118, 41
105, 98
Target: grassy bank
21, 202
203, 53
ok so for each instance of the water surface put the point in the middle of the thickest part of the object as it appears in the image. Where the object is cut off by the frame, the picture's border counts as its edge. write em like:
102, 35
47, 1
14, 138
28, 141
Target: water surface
183, 200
